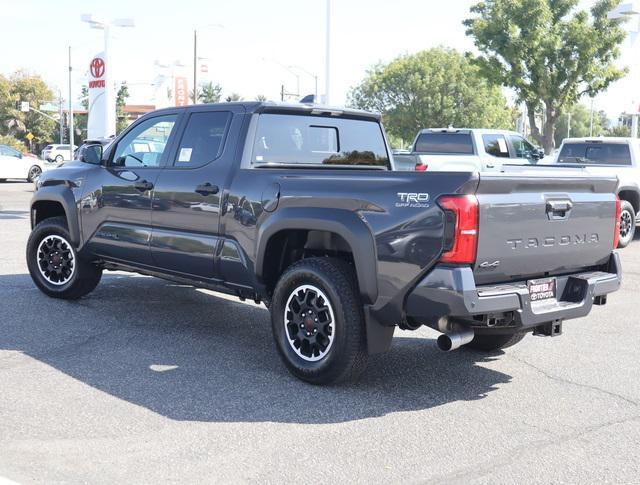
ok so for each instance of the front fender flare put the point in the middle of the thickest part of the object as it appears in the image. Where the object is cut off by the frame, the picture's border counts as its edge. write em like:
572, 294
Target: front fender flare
345, 223
62, 195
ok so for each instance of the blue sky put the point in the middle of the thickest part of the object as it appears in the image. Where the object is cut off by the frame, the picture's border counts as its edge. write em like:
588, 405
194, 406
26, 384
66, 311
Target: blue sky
243, 55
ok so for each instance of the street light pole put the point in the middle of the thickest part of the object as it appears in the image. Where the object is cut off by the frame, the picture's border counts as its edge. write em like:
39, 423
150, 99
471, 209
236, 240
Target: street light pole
70, 111
327, 67
591, 119
623, 12
60, 123
195, 66
195, 57
315, 78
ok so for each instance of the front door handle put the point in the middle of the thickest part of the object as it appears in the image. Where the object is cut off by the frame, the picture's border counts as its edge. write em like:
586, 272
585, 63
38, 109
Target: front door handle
207, 189
143, 185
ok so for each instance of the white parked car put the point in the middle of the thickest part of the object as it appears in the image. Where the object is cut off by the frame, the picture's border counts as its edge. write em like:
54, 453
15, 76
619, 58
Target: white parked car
467, 149
619, 157
57, 153
15, 165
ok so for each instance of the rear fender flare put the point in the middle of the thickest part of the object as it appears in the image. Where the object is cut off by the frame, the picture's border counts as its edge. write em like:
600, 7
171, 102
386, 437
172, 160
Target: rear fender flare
345, 223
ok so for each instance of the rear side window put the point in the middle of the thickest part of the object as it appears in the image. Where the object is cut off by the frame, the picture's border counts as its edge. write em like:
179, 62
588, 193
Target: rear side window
316, 140
203, 139
596, 153
495, 145
443, 143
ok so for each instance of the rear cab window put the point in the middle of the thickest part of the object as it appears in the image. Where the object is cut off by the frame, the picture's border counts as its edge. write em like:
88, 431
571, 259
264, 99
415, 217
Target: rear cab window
595, 153
290, 139
444, 143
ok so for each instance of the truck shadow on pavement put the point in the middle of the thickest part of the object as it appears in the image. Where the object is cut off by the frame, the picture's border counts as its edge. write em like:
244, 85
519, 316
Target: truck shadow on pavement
187, 355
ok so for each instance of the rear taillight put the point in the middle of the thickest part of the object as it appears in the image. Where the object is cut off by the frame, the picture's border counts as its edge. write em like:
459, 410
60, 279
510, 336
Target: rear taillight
465, 236
421, 167
616, 229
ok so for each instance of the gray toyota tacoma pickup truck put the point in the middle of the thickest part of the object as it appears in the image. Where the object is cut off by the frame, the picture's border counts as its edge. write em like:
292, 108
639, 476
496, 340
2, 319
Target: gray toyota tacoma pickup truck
297, 206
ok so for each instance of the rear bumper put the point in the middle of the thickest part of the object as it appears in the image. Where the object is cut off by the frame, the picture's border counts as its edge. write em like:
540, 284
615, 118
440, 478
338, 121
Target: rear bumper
451, 292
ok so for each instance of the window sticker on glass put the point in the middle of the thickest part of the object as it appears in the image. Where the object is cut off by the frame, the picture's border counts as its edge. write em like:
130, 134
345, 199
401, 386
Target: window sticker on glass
185, 155
503, 145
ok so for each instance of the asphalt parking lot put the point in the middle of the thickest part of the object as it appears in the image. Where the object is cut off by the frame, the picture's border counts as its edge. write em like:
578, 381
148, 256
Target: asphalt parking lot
146, 381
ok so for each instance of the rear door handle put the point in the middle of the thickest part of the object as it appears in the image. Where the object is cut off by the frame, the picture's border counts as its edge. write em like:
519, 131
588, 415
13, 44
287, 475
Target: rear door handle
207, 189
143, 185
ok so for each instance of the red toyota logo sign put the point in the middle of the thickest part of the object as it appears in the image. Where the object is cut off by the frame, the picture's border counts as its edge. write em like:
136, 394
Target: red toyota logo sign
97, 67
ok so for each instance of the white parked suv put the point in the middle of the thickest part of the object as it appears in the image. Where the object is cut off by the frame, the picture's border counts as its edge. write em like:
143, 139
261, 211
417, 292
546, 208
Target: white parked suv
467, 149
57, 153
610, 156
15, 165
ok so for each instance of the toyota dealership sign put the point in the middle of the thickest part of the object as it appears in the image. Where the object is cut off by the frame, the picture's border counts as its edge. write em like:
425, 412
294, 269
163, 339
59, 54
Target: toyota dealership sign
97, 68
101, 122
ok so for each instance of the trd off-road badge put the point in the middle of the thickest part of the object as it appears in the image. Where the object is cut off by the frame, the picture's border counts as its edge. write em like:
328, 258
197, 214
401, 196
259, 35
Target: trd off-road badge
413, 199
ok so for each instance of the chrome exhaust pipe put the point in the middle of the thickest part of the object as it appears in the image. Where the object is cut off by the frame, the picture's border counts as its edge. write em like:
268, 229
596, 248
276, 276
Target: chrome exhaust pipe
455, 339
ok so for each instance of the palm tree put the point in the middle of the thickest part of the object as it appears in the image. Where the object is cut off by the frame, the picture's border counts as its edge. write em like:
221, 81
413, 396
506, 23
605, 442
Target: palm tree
261, 97
210, 93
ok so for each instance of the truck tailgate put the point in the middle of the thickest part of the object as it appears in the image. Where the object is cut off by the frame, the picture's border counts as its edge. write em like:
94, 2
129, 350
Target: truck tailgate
533, 226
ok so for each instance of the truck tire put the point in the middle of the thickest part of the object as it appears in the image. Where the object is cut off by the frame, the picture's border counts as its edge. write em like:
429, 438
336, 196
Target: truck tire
54, 264
627, 223
495, 342
318, 321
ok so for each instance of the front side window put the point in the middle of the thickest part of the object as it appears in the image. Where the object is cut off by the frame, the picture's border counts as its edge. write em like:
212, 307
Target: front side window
317, 140
495, 145
203, 139
144, 145
522, 148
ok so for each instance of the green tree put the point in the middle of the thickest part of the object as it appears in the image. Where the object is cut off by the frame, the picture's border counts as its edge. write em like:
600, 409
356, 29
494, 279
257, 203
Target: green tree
84, 97
580, 117
12, 142
620, 130
80, 120
23, 86
210, 93
121, 101
233, 97
198, 93
7, 108
548, 51
438, 87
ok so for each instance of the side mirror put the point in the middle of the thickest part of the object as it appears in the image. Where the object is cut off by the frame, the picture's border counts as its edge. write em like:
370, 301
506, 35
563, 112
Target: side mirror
20, 155
538, 154
92, 154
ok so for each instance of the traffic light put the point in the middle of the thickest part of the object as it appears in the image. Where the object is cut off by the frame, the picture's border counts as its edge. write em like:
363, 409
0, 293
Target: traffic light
18, 105
66, 133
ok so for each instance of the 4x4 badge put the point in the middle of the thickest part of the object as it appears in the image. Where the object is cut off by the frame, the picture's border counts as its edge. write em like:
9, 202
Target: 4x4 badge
487, 264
